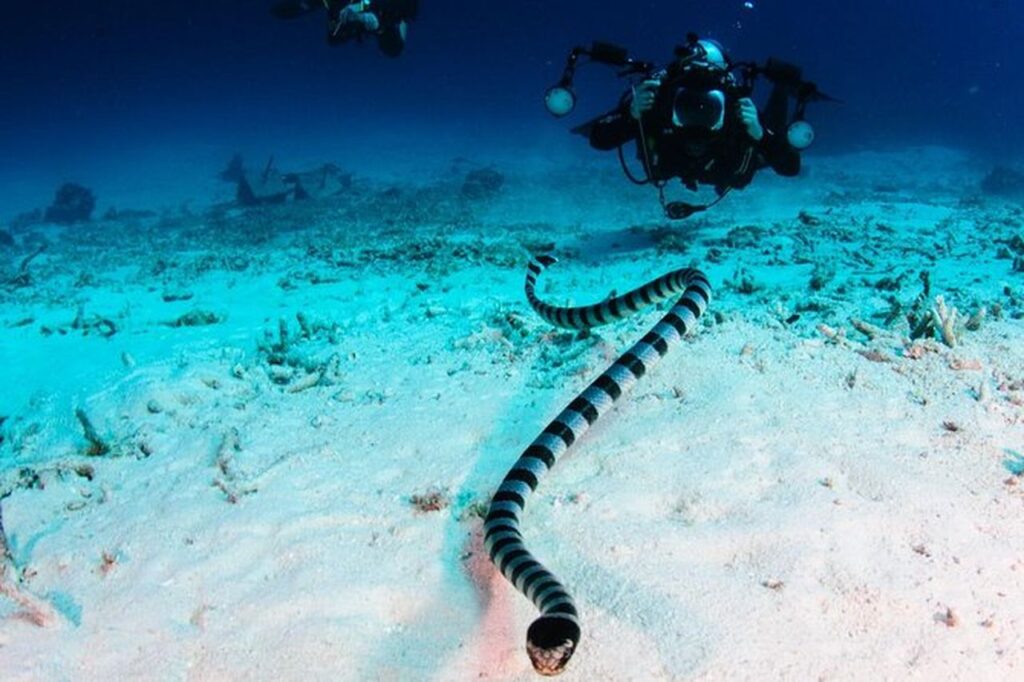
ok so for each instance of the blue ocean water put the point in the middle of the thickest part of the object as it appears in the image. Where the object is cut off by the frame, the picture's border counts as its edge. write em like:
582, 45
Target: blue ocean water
91, 88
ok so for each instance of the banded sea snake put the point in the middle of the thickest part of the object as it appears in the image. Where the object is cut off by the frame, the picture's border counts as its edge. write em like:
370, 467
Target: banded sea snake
552, 638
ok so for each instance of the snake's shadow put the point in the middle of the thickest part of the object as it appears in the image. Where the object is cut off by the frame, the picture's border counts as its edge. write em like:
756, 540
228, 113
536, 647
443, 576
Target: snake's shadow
471, 604
603, 248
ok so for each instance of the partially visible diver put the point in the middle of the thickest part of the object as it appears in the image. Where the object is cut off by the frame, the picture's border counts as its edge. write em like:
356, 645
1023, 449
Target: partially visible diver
385, 20
695, 120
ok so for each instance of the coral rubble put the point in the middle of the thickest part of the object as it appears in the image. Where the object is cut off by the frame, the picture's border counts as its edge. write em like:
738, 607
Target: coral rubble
72, 204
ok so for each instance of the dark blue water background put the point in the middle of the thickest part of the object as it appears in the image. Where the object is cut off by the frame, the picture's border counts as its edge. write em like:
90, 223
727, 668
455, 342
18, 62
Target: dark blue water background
96, 82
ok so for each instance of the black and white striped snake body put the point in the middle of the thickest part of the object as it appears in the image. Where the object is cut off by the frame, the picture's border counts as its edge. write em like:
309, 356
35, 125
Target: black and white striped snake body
552, 638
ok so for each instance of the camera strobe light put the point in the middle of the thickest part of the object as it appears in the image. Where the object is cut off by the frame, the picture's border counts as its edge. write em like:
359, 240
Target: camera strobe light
559, 101
800, 135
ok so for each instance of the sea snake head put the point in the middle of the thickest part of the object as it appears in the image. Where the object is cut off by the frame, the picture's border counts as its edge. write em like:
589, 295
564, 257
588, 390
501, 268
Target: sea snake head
551, 642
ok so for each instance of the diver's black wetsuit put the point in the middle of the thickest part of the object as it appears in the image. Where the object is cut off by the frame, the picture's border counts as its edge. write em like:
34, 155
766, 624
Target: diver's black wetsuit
390, 14
725, 159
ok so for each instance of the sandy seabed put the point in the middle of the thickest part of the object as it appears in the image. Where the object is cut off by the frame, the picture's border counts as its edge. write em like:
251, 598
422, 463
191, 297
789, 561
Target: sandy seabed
301, 412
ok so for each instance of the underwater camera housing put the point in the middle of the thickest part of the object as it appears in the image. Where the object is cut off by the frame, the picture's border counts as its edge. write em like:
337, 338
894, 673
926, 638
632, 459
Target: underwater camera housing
700, 87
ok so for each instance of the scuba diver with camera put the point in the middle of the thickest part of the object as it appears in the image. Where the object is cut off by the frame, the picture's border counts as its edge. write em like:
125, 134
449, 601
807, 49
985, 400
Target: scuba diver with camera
386, 20
695, 119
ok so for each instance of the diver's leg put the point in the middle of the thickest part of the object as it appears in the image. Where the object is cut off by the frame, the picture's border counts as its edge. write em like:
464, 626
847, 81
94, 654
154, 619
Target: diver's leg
391, 40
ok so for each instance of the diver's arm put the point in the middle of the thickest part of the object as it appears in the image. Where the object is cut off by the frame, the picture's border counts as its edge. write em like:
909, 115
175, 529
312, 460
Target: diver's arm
617, 127
777, 151
783, 158
613, 130
623, 124
750, 119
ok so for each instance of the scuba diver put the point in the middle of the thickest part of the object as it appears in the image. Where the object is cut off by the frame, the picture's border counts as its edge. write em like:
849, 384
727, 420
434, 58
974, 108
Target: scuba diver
386, 20
695, 120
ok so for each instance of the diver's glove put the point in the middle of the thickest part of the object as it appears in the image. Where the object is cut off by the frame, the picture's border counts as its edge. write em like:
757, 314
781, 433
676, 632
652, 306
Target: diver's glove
370, 21
643, 98
750, 119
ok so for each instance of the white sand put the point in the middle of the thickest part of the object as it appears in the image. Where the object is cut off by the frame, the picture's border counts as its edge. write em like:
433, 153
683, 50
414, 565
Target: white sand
767, 504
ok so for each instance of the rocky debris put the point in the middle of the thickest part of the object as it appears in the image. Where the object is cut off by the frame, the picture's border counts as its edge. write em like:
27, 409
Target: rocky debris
234, 171
27, 219
264, 188
271, 186
483, 183
197, 318
113, 213
327, 180
1003, 181
304, 359
72, 204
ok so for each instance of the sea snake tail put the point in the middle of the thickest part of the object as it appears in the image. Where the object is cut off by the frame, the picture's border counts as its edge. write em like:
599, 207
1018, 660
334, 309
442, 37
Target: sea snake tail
552, 638
610, 310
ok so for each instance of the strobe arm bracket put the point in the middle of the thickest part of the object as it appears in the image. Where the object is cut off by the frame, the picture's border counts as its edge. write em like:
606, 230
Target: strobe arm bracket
560, 99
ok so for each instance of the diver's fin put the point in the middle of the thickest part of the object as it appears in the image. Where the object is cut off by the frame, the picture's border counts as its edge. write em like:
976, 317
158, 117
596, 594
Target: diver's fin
292, 9
819, 96
809, 92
